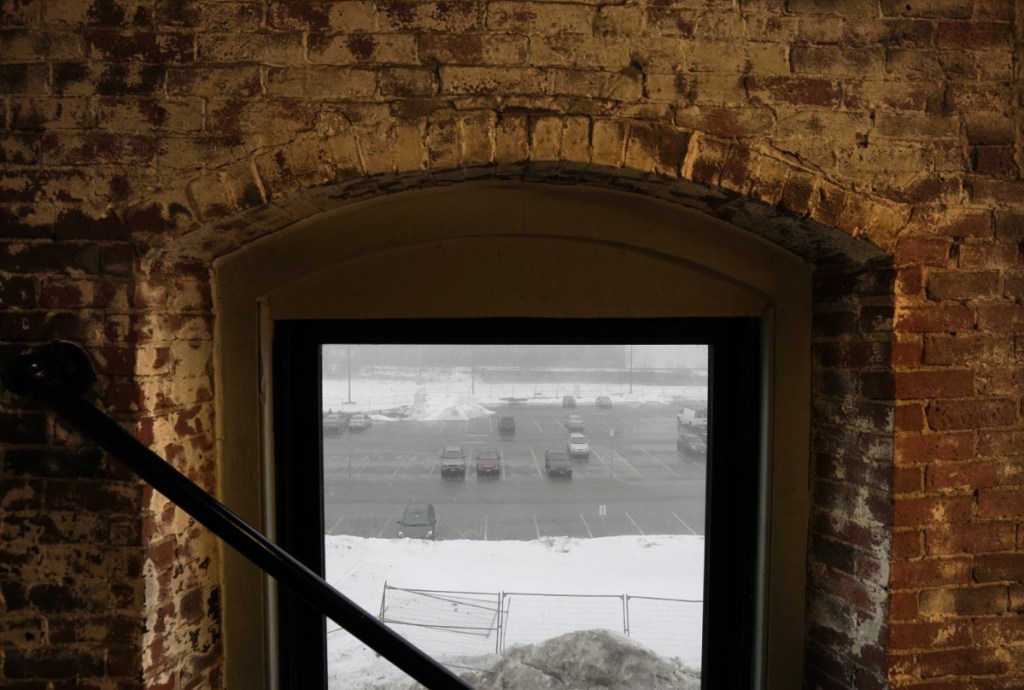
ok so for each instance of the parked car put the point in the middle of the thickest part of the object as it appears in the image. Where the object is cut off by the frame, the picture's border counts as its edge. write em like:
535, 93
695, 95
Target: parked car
359, 422
488, 461
603, 401
574, 423
418, 522
578, 446
507, 426
557, 462
568, 401
691, 446
453, 461
691, 417
334, 422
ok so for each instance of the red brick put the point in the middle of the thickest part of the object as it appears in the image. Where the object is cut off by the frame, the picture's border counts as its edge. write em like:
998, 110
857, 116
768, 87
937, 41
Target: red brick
903, 606
927, 384
1001, 317
973, 601
930, 573
989, 255
973, 537
999, 567
953, 223
946, 415
915, 251
966, 349
1001, 503
968, 661
907, 352
965, 477
935, 319
794, 90
973, 35
931, 510
909, 417
909, 280
926, 635
907, 544
957, 285
996, 632
934, 447
1001, 443
907, 480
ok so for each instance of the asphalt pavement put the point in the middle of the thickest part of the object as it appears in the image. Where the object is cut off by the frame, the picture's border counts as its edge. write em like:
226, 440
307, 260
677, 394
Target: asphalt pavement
635, 481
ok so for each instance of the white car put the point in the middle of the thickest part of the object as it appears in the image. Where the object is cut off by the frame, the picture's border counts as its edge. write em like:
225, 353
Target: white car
578, 445
359, 422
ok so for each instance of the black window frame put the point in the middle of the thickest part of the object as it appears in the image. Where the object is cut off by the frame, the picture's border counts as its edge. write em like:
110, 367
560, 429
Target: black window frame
734, 468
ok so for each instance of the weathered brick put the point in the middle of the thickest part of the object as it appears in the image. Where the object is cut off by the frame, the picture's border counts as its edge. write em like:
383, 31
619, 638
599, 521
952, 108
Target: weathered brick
945, 415
973, 537
964, 602
926, 511
1001, 503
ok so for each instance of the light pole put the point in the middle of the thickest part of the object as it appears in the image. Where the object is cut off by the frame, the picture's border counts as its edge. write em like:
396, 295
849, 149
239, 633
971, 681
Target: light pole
349, 374
630, 369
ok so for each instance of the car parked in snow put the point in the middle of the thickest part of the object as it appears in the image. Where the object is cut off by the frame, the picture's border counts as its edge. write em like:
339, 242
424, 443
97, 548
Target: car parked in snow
603, 401
578, 446
568, 401
574, 423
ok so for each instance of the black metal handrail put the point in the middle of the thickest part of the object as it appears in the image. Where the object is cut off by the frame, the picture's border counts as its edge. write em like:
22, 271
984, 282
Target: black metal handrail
59, 374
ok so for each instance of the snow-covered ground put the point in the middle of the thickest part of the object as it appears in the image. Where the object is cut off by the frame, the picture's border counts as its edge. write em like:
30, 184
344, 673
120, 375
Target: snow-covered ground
650, 566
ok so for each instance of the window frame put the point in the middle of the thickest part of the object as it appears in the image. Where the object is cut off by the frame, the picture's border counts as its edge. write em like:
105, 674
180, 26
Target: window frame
734, 513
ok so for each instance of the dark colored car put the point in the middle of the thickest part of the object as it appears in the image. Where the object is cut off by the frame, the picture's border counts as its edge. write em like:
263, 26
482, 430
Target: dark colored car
691, 446
453, 461
603, 401
557, 462
568, 401
574, 423
418, 522
507, 426
488, 461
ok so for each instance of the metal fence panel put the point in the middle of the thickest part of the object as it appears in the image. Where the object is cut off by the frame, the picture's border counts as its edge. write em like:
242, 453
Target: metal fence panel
443, 623
530, 618
669, 627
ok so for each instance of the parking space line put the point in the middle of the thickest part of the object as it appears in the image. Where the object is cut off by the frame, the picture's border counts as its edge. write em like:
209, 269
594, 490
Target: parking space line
535, 463
432, 468
644, 450
365, 464
682, 521
400, 465
536, 526
586, 526
598, 456
635, 525
381, 533
335, 525
539, 427
485, 526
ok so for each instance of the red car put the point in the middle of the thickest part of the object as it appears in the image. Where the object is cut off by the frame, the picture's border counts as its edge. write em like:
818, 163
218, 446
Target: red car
488, 461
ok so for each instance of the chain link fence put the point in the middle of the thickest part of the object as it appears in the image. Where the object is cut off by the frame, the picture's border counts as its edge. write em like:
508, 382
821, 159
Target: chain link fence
448, 623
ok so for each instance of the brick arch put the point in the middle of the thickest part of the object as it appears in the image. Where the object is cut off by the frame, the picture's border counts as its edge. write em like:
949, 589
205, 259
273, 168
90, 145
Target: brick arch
752, 186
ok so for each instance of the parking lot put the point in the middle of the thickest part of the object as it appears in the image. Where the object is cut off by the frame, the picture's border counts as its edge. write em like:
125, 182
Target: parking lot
635, 481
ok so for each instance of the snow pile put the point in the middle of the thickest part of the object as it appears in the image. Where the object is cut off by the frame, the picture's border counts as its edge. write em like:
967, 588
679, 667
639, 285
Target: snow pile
438, 408
586, 659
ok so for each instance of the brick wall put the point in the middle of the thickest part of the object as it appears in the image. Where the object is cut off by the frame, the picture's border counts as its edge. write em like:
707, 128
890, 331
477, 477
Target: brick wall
141, 139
